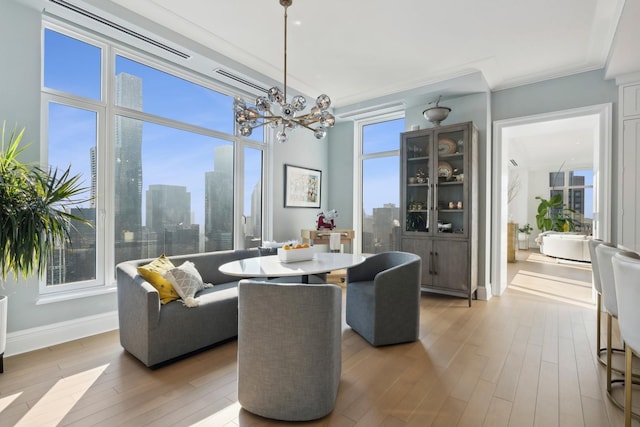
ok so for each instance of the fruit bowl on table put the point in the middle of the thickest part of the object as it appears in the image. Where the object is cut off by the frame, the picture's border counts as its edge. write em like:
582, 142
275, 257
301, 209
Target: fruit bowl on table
295, 254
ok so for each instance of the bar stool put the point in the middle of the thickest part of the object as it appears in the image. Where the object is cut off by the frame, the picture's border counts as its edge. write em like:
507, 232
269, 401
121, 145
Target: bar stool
597, 285
605, 254
626, 270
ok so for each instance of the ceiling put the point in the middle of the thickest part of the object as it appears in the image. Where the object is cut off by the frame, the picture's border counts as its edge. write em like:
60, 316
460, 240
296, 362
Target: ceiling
360, 50
553, 145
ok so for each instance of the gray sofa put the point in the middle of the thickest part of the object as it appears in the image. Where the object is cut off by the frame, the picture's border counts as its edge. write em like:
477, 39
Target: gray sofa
155, 333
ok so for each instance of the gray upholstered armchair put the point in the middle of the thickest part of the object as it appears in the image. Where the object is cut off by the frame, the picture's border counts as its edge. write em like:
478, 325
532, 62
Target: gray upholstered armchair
289, 349
383, 298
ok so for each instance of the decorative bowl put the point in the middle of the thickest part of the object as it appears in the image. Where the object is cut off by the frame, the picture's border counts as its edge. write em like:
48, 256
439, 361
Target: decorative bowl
295, 255
436, 114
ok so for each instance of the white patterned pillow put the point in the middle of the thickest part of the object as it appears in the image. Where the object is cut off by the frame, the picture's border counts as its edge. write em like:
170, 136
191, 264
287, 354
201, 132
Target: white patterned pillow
187, 281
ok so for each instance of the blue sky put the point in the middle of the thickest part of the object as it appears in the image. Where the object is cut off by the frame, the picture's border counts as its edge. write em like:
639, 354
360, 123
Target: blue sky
380, 175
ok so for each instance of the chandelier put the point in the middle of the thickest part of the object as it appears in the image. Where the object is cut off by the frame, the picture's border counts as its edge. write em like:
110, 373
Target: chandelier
291, 116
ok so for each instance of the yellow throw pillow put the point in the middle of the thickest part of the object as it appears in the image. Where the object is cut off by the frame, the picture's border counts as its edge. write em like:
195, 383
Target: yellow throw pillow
152, 273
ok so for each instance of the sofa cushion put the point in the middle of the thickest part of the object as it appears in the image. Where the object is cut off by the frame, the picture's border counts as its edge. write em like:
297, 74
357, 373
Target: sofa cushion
186, 281
152, 273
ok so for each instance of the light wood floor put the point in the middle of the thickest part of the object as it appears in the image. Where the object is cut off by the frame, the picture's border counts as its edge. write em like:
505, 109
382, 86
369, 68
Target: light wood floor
524, 359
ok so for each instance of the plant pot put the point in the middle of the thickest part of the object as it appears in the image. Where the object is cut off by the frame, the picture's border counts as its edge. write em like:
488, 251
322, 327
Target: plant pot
3, 328
523, 241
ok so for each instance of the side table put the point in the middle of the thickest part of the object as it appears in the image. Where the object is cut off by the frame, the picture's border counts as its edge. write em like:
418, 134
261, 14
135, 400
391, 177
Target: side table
321, 237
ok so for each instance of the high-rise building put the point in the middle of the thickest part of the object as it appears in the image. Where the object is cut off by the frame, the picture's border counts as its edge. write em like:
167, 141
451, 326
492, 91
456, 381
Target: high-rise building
128, 157
253, 231
168, 216
94, 176
75, 261
386, 228
167, 207
218, 215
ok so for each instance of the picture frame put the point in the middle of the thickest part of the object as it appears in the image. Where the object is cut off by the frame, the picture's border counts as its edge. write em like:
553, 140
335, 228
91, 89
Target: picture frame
302, 187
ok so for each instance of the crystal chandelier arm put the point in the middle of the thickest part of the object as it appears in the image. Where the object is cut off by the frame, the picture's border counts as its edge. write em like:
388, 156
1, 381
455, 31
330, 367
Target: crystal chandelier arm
305, 124
265, 121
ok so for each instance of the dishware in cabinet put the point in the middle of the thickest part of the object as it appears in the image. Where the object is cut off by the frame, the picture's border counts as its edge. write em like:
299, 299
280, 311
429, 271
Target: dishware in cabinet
439, 205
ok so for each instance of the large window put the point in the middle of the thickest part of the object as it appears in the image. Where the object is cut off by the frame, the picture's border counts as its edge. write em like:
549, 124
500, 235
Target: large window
380, 151
156, 150
576, 189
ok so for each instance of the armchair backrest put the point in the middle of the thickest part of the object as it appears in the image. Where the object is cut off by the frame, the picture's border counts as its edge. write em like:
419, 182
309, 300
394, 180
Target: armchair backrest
289, 348
597, 284
381, 262
605, 253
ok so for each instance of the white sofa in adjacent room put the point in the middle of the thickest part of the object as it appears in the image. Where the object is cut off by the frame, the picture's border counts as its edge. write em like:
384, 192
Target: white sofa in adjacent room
573, 246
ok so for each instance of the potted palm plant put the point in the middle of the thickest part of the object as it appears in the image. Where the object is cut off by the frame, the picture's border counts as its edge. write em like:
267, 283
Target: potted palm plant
34, 215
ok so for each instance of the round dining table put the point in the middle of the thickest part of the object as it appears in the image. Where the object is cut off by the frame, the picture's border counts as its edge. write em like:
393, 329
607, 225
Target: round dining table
272, 266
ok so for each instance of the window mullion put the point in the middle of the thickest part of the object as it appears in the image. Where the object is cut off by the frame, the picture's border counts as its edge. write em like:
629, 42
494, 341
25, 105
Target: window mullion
106, 257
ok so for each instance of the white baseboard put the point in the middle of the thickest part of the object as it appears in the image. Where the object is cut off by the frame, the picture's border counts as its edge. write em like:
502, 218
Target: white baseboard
482, 294
58, 333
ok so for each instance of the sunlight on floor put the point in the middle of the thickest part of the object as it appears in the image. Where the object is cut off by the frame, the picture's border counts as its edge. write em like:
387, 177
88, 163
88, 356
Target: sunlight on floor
222, 417
553, 287
59, 400
538, 257
6, 401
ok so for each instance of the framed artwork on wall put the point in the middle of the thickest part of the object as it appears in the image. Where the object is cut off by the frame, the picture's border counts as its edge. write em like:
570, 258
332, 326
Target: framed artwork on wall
301, 187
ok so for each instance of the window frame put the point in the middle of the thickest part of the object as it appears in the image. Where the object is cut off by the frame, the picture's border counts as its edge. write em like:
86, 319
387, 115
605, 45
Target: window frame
106, 112
358, 168
566, 187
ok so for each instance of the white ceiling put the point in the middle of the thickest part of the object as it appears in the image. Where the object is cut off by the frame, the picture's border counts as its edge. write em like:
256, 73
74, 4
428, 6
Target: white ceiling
553, 145
357, 50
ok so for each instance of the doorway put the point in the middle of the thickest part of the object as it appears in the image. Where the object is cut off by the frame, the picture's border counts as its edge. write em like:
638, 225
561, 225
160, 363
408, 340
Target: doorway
504, 131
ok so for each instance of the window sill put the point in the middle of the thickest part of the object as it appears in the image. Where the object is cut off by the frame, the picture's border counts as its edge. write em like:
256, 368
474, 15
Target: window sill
76, 294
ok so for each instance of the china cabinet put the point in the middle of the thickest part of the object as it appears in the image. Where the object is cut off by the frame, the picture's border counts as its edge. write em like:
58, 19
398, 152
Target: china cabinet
439, 204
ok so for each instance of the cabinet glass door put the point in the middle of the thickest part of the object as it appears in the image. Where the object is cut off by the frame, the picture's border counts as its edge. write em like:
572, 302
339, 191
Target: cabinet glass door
417, 185
450, 197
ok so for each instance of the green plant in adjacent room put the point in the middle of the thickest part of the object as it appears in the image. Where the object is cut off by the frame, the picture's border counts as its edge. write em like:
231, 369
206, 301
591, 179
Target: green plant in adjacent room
526, 229
553, 215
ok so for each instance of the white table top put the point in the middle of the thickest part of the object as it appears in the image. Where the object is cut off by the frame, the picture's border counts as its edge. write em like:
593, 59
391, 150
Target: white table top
271, 266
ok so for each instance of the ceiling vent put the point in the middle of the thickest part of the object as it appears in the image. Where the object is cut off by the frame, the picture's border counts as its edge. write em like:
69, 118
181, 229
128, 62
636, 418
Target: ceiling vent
119, 27
513, 162
366, 112
241, 82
